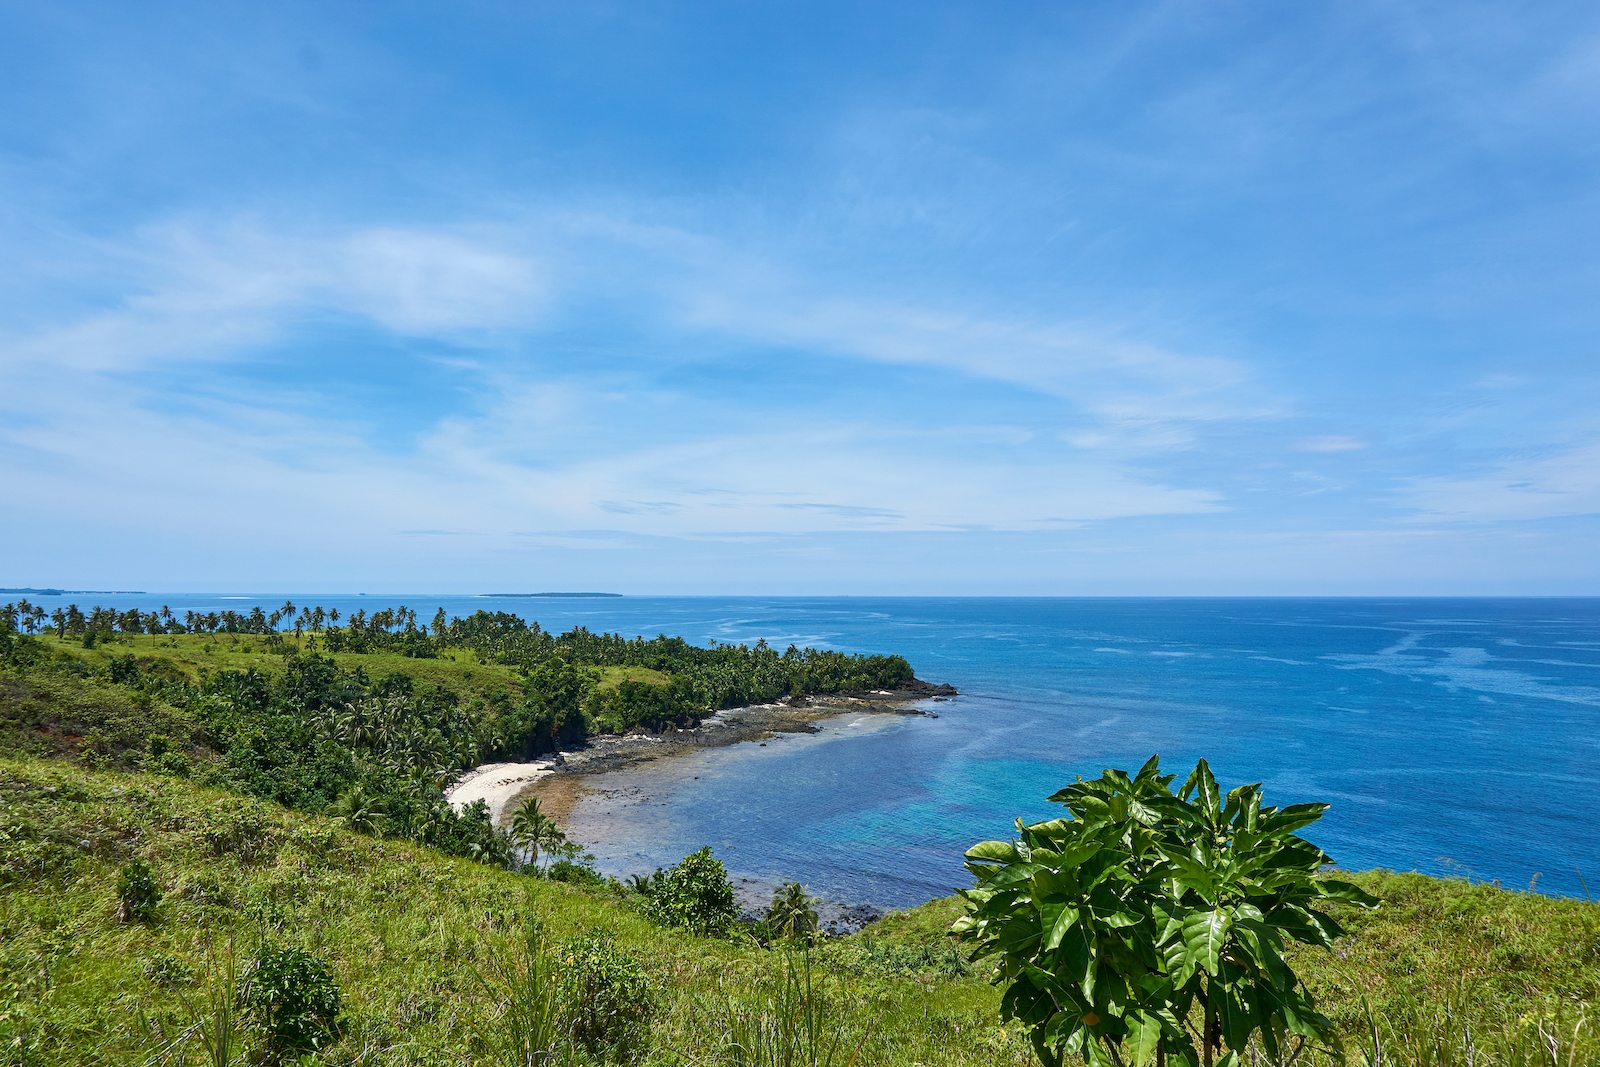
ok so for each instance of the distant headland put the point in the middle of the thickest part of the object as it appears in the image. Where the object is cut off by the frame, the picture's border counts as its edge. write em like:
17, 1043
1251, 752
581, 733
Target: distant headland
83, 592
549, 594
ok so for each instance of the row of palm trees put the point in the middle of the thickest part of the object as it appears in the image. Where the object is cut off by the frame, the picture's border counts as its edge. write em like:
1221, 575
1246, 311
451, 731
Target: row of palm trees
396, 734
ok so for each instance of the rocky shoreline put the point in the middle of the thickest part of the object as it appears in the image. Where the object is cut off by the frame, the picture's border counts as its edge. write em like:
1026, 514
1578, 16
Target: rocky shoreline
755, 722
557, 779
560, 780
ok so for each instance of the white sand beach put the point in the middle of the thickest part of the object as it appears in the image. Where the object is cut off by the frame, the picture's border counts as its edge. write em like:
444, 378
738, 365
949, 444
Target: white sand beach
498, 784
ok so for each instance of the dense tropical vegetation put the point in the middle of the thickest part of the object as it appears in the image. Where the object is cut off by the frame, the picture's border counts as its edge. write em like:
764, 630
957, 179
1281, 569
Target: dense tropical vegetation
353, 719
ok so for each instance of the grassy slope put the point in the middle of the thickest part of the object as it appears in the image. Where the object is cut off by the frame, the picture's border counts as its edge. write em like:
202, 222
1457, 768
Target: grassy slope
406, 929
196, 654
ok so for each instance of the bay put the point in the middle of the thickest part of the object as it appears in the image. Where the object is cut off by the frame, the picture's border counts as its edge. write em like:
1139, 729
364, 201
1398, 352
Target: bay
1451, 736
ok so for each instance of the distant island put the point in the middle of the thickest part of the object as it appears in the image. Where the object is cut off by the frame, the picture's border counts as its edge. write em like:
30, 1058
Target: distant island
550, 594
84, 592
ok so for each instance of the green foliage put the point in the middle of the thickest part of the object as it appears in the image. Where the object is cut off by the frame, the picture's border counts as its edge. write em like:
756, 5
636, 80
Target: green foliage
360, 811
293, 1000
533, 830
791, 914
1114, 926
575, 872
694, 894
608, 995
138, 892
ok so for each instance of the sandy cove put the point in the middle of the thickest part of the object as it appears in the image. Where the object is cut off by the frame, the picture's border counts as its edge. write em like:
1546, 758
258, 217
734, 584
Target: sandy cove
558, 780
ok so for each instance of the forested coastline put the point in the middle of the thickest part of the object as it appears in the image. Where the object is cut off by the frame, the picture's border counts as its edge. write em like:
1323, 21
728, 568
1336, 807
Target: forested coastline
323, 713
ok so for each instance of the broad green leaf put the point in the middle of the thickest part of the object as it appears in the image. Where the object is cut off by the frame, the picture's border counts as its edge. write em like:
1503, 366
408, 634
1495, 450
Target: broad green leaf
1055, 886
1010, 876
994, 851
1144, 1036
1344, 891
1202, 783
1055, 829
1203, 936
1064, 922
1017, 935
1237, 800
1075, 961
1235, 1012
1078, 854
1292, 818
1027, 1003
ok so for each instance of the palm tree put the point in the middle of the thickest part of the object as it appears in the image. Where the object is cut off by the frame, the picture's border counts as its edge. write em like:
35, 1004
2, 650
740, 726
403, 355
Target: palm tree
791, 913
360, 811
533, 830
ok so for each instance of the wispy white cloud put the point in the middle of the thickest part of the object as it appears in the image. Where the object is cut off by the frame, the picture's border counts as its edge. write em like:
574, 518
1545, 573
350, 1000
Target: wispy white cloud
1556, 485
188, 290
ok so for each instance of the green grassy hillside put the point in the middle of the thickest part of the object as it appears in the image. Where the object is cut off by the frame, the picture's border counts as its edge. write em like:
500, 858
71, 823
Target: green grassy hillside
411, 935
413, 938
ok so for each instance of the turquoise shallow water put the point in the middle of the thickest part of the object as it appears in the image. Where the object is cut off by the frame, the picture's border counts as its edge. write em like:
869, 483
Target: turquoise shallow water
1448, 734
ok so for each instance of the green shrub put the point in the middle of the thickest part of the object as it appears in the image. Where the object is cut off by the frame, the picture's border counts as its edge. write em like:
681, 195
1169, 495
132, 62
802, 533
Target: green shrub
575, 872
607, 994
293, 1001
137, 890
1145, 906
695, 894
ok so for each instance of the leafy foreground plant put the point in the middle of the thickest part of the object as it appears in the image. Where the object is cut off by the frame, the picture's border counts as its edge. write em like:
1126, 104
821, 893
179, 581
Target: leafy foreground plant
137, 892
294, 1002
607, 996
1150, 928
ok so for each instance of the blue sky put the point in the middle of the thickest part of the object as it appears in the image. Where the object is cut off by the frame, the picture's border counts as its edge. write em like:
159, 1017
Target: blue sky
1067, 298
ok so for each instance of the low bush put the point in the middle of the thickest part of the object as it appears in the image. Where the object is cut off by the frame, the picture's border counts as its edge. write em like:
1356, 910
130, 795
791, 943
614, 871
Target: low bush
293, 1001
575, 872
607, 995
695, 894
138, 892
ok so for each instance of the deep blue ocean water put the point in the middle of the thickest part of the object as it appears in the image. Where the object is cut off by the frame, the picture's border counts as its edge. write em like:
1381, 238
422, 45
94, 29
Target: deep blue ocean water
1451, 736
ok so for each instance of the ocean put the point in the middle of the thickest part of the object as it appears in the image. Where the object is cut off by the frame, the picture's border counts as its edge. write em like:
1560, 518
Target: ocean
1450, 736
